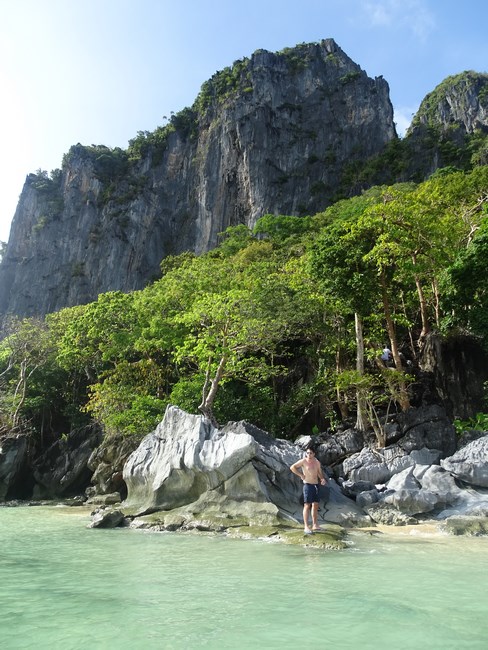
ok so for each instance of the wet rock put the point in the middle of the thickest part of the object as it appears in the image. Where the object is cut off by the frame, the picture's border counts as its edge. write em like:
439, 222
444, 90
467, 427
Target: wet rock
107, 519
472, 526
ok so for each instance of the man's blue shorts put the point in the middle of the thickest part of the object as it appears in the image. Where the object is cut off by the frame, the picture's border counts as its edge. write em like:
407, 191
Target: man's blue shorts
311, 493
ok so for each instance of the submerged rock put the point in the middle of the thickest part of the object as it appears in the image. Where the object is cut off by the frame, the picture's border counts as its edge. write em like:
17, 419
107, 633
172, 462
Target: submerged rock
473, 526
107, 519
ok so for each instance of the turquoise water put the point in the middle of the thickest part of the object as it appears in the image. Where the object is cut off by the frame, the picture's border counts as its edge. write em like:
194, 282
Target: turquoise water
65, 586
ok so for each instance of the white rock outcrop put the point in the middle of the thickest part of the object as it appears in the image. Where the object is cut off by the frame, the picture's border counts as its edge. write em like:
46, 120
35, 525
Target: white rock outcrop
239, 471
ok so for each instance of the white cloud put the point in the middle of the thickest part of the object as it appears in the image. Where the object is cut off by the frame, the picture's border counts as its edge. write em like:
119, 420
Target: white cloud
411, 14
403, 116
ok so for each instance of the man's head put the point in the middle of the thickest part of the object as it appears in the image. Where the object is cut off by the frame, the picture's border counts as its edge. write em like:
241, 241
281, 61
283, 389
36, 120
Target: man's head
309, 451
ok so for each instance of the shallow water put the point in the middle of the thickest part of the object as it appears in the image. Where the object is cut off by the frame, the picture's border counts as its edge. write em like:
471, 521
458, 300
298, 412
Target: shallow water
65, 586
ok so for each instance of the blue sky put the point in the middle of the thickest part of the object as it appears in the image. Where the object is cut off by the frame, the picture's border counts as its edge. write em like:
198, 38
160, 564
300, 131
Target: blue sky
99, 71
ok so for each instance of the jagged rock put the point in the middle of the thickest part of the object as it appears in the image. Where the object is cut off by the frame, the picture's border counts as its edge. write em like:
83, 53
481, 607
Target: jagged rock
367, 498
63, 469
415, 492
459, 369
367, 465
454, 110
339, 445
353, 488
437, 480
468, 436
404, 480
414, 501
470, 463
107, 519
107, 464
419, 471
276, 140
382, 513
220, 478
13, 456
427, 427
425, 456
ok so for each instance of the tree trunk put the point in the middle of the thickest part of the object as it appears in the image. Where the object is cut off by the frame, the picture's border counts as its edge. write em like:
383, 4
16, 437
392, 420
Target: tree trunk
435, 289
341, 402
208, 396
390, 326
423, 304
361, 417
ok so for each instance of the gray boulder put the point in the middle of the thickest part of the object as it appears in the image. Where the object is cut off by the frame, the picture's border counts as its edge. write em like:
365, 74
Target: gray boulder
387, 515
367, 498
404, 480
414, 501
426, 489
470, 463
339, 445
107, 519
367, 465
216, 476
437, 480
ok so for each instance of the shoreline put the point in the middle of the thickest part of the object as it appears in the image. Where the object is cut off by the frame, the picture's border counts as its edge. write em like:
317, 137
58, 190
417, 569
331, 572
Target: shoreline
428, 529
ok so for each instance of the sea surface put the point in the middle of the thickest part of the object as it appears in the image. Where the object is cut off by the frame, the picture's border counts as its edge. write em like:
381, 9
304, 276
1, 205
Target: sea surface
65, 586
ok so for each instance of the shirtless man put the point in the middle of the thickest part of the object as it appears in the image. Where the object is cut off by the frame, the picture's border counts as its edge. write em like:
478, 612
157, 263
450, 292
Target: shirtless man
310, 471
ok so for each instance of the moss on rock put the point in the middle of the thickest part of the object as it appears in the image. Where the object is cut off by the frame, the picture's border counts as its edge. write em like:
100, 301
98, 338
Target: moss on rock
474, 526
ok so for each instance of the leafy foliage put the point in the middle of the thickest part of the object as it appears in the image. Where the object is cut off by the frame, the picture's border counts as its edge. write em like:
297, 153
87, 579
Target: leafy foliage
264, 327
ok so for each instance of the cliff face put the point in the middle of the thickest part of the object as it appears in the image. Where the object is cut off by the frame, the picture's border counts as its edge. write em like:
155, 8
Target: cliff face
276, 133
459, 103
451, 126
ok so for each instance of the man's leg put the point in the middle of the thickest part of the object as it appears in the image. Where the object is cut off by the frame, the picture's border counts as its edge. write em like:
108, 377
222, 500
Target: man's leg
306, 513
315, 515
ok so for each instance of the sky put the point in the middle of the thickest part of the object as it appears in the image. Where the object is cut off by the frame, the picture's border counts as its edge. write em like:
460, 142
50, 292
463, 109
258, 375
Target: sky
99, 71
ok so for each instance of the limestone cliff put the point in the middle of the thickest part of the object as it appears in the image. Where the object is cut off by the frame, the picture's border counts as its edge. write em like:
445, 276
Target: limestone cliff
275, 133
451, 126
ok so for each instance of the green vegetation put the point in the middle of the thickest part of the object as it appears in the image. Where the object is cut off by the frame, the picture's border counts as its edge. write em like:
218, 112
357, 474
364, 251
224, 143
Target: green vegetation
429, 109
478, 423
224, 84
48, 188
349, 77
108, 163
281, 326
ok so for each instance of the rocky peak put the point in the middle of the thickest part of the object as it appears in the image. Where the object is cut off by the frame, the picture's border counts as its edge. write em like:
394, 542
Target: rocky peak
275, 133
460, 101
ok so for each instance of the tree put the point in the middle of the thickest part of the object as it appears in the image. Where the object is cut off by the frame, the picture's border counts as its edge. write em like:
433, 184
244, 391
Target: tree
465, 286
26, 348
338, 261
